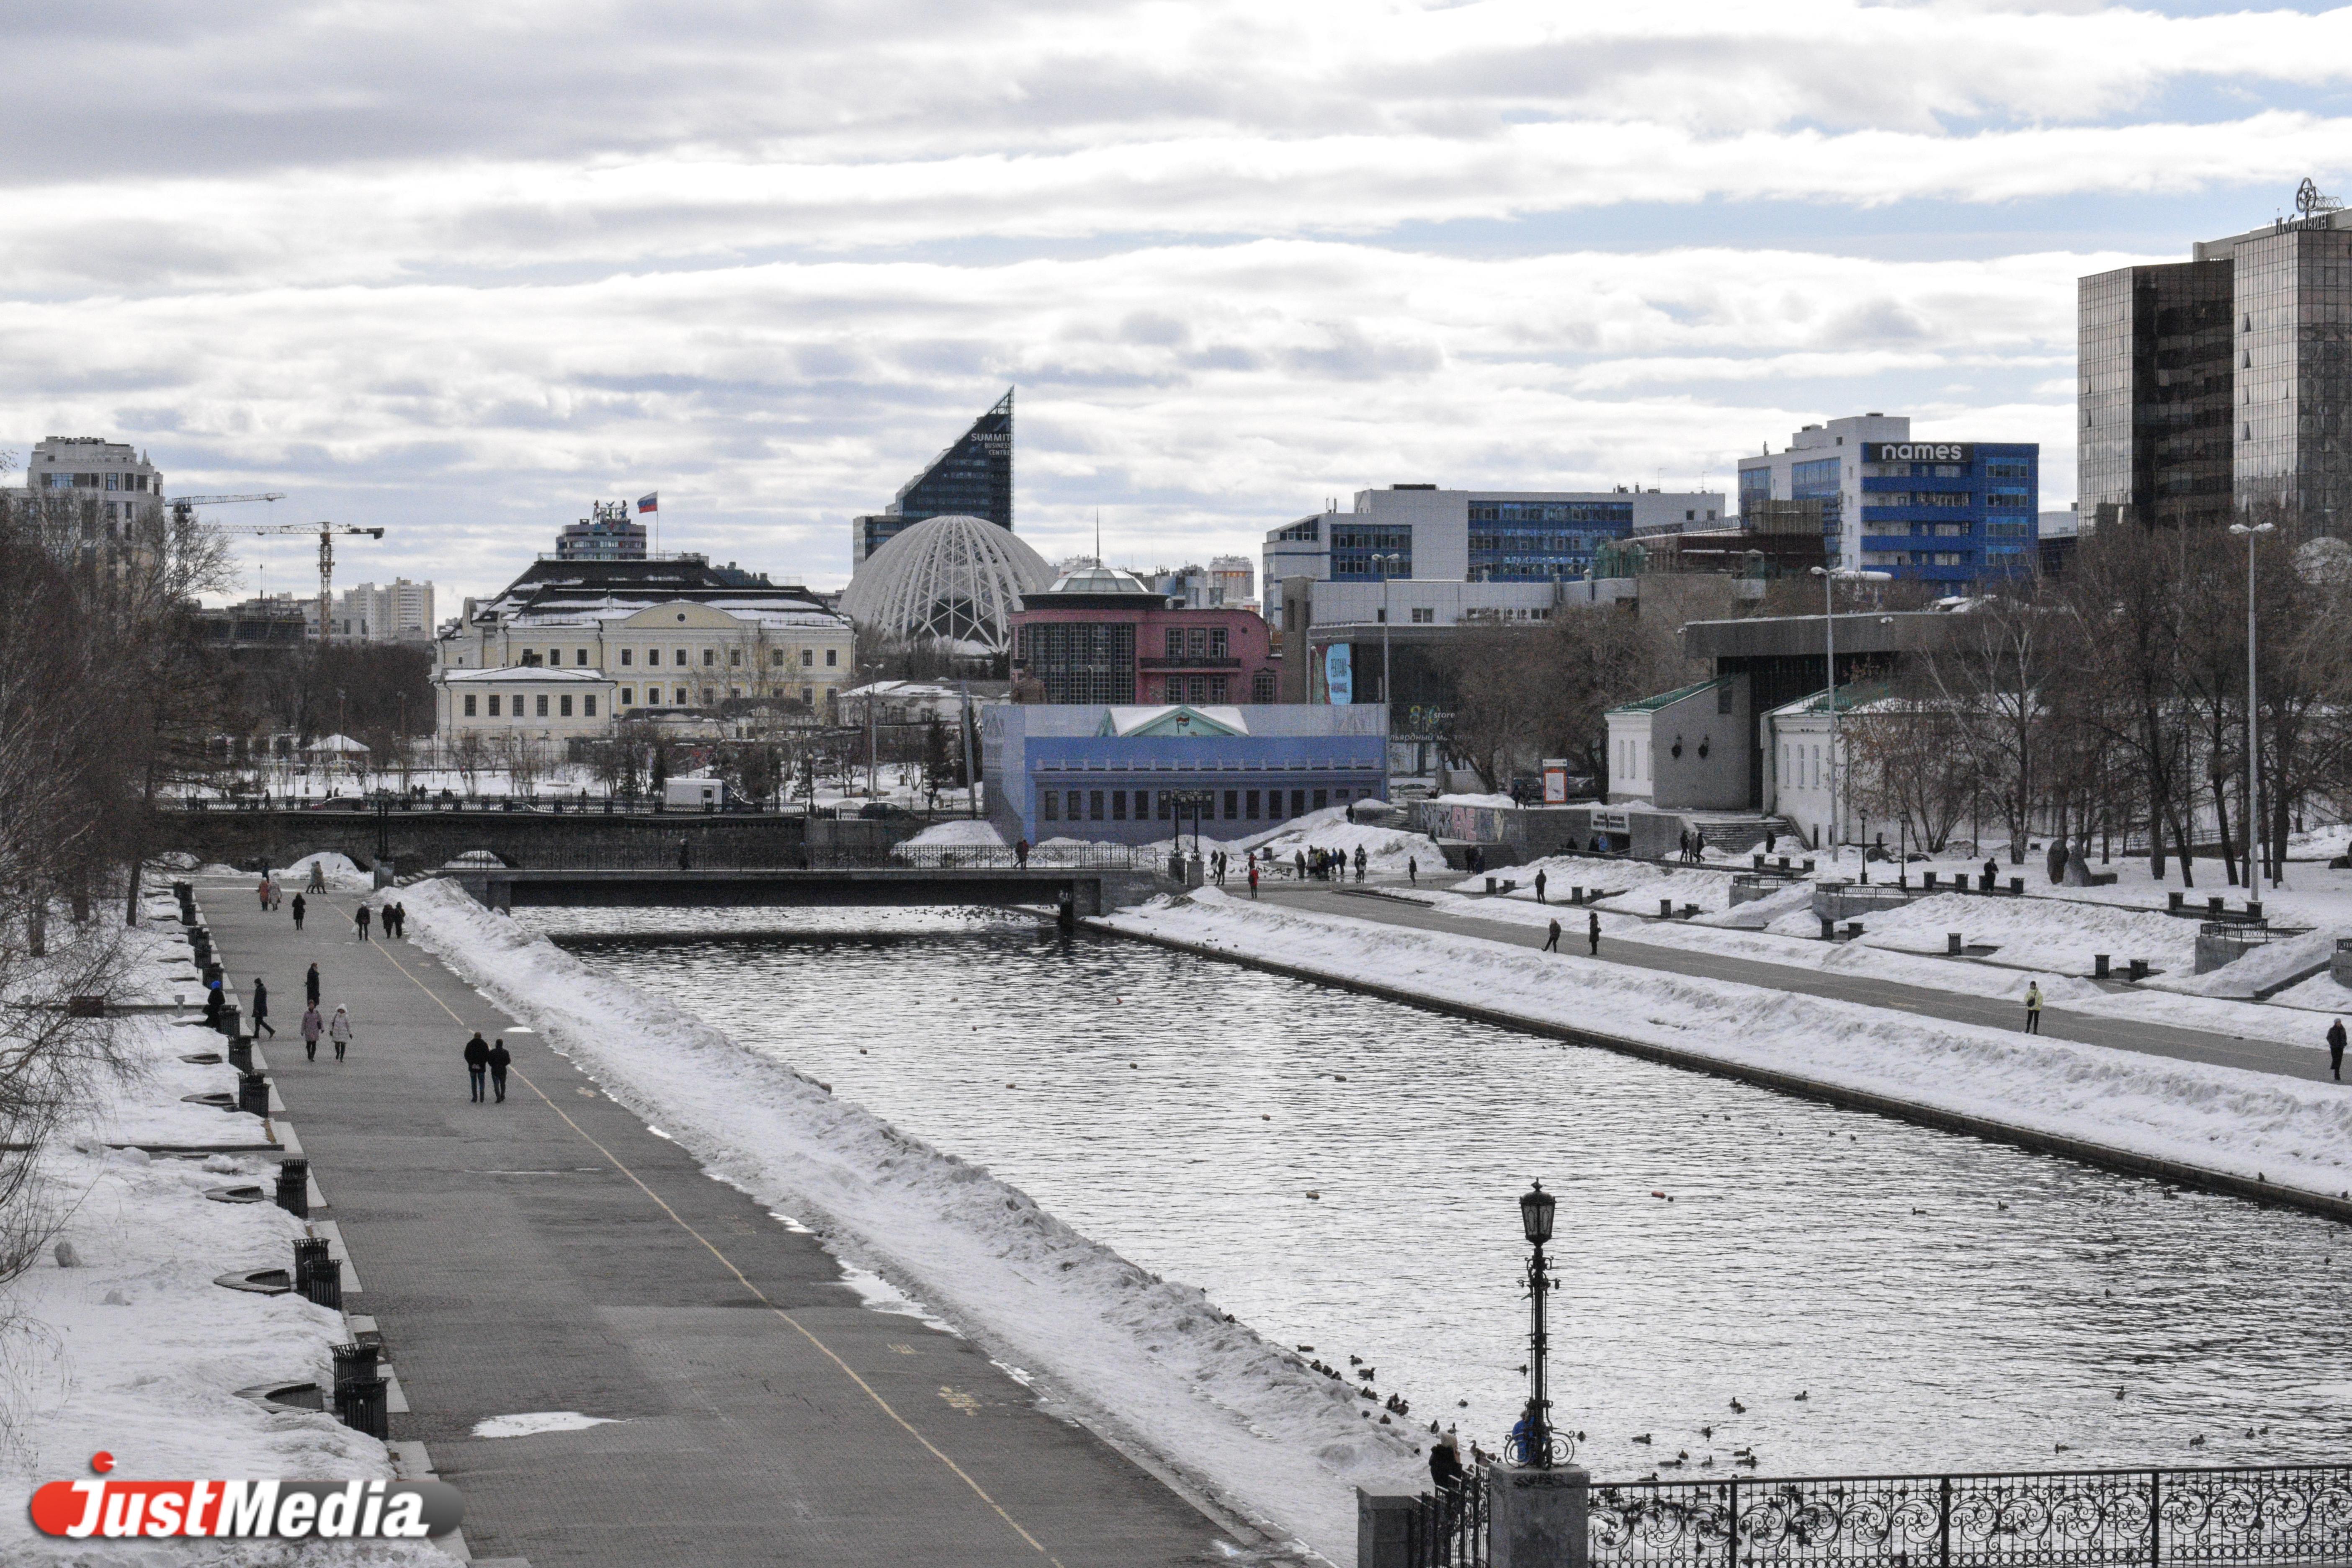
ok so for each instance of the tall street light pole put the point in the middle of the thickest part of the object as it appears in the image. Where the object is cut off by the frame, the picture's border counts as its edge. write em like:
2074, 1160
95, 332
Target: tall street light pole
2251, 531
1532, 1444
1831, 576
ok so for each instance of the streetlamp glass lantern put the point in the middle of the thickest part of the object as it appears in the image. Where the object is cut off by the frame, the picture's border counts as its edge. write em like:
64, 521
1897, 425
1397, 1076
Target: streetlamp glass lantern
1534, 1213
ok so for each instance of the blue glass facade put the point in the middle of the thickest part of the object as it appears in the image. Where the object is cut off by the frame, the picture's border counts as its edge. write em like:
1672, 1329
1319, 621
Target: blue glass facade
1534, 541
1355, 549
1818, 480
1968, 514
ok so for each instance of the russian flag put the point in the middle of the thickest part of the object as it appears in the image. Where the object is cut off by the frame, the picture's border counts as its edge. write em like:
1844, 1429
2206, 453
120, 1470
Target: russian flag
649, 503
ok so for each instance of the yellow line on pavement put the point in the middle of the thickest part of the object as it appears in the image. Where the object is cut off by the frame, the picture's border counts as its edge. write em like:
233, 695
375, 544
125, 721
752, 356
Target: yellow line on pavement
729, 1264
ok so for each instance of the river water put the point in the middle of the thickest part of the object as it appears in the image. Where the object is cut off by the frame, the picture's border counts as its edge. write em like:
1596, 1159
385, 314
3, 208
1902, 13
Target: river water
1879, 1297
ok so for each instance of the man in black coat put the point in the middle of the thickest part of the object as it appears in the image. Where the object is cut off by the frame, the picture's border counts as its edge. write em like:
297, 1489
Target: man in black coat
2335, 1050
499, 1059
1593, 933
477, 1062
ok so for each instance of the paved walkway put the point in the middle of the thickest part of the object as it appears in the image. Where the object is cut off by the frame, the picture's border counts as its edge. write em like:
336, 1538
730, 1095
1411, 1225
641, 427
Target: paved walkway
1618, 947
553, 1254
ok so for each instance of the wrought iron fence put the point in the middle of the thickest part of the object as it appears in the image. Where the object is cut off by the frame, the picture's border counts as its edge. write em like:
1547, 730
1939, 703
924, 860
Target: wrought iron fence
1448, 1528
2084, 1519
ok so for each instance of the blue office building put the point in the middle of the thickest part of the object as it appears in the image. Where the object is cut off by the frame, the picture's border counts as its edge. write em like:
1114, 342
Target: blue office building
1947, 512
1127, 774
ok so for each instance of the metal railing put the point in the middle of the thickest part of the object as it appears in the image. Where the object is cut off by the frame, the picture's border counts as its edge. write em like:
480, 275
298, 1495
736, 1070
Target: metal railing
2075, 1518
1448, 1528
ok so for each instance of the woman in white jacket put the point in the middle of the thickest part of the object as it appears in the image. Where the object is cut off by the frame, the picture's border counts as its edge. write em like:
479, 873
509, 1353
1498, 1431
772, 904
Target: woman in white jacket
339, 1029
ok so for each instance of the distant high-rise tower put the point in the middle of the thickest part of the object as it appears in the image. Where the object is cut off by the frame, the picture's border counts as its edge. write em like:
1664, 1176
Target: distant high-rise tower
2223, 382
971, 478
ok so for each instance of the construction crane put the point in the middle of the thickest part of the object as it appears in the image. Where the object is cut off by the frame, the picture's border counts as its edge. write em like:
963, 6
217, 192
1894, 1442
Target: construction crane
183, 505
326, 531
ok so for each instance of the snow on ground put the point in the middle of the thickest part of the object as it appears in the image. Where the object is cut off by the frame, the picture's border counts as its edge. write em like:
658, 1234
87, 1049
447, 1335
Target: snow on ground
2289, 1027
1633, 887
343, 874
960, 831
135, 1350
1150, 1361
2268, 966
2046, 933
2289, 1131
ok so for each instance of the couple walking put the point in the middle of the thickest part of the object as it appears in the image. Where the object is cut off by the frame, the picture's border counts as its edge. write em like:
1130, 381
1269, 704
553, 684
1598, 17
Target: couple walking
482, 1057
338, 1028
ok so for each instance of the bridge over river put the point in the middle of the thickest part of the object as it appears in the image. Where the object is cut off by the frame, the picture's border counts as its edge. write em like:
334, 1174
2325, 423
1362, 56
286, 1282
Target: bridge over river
1074, 891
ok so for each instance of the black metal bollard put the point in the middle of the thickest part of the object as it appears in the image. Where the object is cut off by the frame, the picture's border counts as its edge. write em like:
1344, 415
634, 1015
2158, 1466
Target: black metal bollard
355, 1363
253, 1093
309, 1250
326, 1285
360, 1406
294, 1187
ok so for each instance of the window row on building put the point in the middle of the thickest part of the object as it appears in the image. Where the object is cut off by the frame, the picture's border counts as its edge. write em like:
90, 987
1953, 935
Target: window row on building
538, 703
1165, 806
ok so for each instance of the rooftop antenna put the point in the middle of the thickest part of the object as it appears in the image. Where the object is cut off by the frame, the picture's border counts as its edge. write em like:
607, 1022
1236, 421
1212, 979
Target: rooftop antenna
1098, 554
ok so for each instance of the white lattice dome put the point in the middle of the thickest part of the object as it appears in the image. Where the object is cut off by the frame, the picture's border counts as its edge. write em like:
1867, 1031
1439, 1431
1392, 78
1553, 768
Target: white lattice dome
955, 577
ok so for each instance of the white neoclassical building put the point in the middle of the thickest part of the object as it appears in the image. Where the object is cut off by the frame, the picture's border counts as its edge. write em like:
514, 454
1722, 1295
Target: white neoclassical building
638, 639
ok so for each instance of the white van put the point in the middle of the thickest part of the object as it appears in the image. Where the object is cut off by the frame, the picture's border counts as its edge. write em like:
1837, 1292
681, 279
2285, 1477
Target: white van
696, 793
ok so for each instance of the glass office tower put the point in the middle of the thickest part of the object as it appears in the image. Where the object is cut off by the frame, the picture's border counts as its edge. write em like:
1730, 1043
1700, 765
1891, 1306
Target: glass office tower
2219, 383
971, 478
2152, 434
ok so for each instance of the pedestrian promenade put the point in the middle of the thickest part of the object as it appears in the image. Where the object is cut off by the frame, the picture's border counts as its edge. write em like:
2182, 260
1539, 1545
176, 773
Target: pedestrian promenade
1620, 945
553, 1254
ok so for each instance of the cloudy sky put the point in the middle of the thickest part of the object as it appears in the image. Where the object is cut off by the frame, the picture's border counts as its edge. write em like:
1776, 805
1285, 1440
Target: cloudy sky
457, 269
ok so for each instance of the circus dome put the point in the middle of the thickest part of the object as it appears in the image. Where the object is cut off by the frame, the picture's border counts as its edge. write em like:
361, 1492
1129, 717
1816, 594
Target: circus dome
960, 578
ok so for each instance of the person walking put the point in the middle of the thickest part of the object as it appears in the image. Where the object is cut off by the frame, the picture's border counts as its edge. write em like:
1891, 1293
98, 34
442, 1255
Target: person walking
318, 876
1540, 880
400, 922
359, 924
477, 1062
261, 892
1021, 853
310, 986
684, 860
2033, 1006
1551, 941
1362, 862
500, 1058
1253, 870
339, 1029
261, 1008
1593, 933
1412, 871
2335, 1050
312, 1028
299, 907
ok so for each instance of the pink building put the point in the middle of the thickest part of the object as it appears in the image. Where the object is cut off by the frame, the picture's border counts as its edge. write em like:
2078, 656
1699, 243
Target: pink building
1100, 635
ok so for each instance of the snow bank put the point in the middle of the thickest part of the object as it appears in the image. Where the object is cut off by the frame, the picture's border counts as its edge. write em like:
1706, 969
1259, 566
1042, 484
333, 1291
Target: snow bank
135, 1350
2291, 1132
2270, 966
1634, 887
1496, 800
1152, 1362
1386, 849
342, 872
962, 830
2052, 933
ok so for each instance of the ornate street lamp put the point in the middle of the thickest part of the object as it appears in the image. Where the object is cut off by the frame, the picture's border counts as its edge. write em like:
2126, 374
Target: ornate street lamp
1532, 1442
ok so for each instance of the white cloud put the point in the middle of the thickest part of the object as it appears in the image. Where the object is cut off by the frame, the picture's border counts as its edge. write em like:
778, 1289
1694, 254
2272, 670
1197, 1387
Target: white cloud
456, 269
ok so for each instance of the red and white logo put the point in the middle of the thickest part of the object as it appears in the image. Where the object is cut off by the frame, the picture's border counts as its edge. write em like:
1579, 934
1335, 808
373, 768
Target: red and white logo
289, 1511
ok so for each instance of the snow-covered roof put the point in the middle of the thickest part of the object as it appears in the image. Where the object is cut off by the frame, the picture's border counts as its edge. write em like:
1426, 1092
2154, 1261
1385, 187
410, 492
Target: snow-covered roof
509, 675
342, 744
1173, 717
